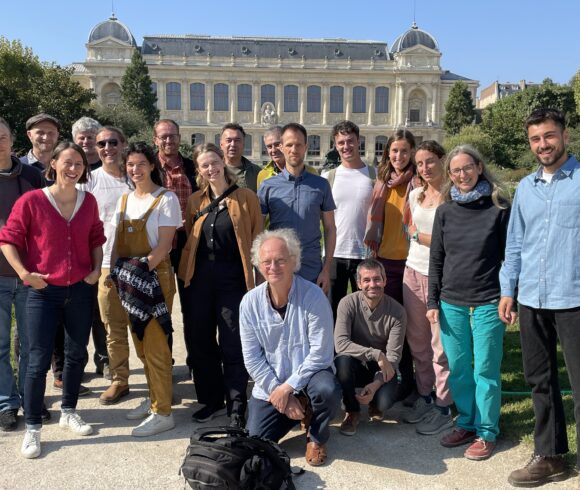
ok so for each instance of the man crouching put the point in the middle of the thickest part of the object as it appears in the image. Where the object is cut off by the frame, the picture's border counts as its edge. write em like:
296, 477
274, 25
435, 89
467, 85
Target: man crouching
286, 332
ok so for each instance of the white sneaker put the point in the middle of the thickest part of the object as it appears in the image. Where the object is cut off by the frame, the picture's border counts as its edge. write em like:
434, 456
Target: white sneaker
31, 444
142, 411
74, 422
154, 424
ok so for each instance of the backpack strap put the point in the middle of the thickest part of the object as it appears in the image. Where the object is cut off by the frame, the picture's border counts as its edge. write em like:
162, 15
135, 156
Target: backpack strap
330, 176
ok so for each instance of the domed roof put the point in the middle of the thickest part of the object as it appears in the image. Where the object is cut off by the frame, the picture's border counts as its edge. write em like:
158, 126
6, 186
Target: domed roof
112, 28
414, 37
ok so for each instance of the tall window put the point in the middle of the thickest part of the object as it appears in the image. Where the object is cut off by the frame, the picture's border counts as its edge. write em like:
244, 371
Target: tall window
313, 98
217, 139
362, 143
336, 99
359, 99
313, 145
290, 98
173, 96
154, 91
244, 97
221, 101
197, 97
381, 100
197, 139
267, 94
248, 145
380, 145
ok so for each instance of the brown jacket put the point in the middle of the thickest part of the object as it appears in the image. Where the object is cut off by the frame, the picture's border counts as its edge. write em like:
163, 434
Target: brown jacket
244, 209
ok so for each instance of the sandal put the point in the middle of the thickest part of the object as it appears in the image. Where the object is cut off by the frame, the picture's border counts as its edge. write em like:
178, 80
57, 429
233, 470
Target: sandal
315, 453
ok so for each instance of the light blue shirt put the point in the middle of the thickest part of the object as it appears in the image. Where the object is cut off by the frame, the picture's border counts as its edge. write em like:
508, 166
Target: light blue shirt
543, 239
286, 350
297, 203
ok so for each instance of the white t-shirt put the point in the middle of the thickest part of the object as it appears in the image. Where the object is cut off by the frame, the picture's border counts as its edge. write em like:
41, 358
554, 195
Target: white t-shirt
423, 218
166, 213
351, 191
107, 190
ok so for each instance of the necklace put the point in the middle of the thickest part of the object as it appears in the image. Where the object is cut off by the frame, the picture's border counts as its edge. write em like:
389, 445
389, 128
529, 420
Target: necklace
431, 200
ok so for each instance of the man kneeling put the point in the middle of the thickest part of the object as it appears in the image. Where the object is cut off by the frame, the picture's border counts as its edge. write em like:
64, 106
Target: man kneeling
368, 338
286, 332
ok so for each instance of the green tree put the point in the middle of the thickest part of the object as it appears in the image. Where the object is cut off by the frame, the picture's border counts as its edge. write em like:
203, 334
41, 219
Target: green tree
127, 118
474, 136
459, 108
576, 88
136, 88
28, 86
504, 120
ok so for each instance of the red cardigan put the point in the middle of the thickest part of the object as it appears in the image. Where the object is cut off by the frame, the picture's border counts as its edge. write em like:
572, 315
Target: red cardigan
54, 246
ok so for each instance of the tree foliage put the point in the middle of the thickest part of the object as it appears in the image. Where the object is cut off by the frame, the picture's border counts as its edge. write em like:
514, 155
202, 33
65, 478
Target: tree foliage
474, 136
28, 86
127, 118
576, 89
136, 89
504, 120
459, 108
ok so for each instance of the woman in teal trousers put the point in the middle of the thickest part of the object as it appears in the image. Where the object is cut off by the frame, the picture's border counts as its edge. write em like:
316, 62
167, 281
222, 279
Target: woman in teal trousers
467, 249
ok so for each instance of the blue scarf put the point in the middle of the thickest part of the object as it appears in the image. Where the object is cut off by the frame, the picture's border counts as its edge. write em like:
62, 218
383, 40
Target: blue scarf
482, 188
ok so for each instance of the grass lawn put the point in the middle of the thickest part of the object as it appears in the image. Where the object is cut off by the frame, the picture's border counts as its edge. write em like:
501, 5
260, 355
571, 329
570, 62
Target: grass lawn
517, 415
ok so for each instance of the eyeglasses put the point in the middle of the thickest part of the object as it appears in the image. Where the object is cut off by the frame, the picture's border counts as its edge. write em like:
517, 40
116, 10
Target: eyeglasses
168, 137
276, 262
111, 142
466, 170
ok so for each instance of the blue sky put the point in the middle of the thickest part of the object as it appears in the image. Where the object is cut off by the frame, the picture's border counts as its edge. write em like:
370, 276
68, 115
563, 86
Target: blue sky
484, 40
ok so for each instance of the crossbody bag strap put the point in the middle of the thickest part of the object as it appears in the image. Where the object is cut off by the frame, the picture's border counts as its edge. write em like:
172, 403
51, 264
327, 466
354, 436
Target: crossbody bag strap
212, 205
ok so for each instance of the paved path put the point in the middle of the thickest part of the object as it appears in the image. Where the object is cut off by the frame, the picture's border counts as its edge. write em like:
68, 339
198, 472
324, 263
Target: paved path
383, 455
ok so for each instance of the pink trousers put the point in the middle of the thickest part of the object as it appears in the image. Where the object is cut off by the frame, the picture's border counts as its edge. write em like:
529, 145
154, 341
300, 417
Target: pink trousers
431, 368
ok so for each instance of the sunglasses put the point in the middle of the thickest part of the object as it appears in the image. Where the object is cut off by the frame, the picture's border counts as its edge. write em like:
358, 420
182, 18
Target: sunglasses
103, 143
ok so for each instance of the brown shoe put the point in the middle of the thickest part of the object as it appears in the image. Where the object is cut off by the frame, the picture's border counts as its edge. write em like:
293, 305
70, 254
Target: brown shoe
83, 390
479, 450
113, 394
375, 415
540, 470
457, 437
315, 453
350, 423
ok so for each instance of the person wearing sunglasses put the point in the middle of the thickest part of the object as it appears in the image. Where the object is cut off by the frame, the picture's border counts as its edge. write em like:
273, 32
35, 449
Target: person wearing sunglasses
467, 249
108, 184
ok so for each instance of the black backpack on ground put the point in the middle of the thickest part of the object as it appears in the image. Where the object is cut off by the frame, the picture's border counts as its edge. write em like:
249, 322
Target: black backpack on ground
227, 458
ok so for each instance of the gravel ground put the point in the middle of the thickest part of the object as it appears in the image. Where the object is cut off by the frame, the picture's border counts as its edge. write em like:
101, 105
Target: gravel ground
382, 455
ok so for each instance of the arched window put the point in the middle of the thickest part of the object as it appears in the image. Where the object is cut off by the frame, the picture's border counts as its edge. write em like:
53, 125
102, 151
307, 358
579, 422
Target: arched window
290, 98
336, 99
197, 97
313, 145
248, 145
359, 99
380, 145
221, 100
173, 96
267, 94
381, 100
417, 105
313, 98
244, 97
197, 139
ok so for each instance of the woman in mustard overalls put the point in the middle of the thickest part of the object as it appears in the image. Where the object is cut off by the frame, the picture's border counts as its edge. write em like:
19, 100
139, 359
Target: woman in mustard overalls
146, 220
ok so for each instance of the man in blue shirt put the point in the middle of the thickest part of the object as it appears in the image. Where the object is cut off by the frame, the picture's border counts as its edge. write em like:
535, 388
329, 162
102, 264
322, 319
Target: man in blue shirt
297, 199
541, 262
286, 331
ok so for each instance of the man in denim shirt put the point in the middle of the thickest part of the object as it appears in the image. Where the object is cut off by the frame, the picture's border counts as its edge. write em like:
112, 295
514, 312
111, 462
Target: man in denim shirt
286, 331
541, 262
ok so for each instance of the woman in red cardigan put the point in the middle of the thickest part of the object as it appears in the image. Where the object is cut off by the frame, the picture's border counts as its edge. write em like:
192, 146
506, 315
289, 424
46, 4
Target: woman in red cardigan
53, 239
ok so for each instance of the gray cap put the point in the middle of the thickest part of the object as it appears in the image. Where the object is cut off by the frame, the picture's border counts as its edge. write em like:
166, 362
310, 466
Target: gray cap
34, 120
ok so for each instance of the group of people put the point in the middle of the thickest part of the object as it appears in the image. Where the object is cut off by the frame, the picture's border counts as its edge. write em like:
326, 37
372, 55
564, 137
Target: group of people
437, 257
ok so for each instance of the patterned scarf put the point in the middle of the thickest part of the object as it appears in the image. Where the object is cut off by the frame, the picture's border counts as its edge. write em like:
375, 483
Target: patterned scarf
481, 189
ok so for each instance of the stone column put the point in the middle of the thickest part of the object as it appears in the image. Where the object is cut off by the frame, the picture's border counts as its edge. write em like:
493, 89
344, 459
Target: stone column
185, 104
400, 101
434, 103
348, 101
232, 96
325, 103
161, 102
209, 98
370, 148
279, 100
371, 104
256, 101
302, 101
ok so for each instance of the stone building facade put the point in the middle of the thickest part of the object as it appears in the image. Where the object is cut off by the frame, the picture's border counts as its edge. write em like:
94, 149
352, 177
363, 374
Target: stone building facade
205, 81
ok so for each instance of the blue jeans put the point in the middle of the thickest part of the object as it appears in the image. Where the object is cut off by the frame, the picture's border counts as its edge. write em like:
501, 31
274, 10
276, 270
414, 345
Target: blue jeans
12, 292
473, 341
45, 307
323, 392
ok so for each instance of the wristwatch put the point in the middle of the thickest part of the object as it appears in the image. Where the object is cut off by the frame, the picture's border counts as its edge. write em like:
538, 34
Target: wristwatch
415, 237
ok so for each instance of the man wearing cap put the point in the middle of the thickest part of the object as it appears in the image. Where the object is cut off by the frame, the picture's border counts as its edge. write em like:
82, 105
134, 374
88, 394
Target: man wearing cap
42, 131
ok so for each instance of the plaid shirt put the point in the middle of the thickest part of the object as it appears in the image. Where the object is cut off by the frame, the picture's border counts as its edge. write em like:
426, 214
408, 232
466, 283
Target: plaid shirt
177, 181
